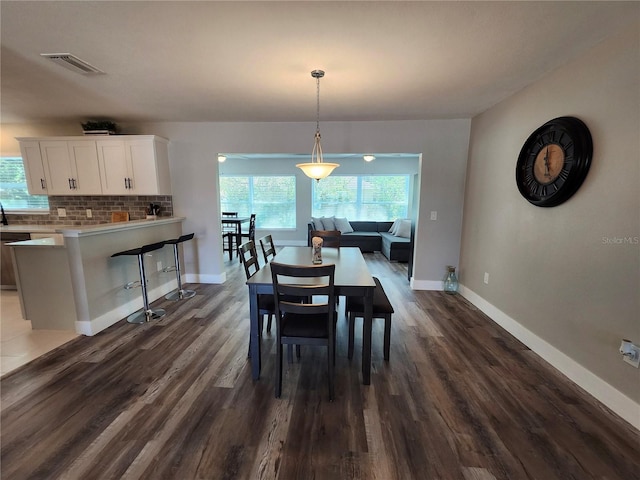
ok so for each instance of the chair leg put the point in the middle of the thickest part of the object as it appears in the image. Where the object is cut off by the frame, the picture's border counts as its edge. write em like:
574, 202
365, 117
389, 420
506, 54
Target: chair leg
278, 369
330, 363
352, 321
387, 336
298, 351
269, 323
290, 353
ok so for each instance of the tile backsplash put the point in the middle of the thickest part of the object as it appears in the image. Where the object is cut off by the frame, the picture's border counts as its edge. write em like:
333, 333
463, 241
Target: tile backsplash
101, 207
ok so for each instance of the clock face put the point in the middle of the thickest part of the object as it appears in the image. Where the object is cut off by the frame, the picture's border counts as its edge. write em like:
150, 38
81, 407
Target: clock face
554, 161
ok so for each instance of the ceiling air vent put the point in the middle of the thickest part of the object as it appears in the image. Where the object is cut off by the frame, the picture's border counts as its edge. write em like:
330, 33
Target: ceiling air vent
72, 63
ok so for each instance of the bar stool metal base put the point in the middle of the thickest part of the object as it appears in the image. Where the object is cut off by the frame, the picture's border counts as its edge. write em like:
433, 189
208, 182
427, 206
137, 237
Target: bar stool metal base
180, 295
142, 316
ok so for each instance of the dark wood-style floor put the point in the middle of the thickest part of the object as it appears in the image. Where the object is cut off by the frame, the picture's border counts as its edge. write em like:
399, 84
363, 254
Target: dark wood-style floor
174, 399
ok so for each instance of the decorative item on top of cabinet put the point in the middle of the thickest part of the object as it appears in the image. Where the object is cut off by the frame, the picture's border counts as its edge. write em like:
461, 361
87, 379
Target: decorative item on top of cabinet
99, 127
111, 165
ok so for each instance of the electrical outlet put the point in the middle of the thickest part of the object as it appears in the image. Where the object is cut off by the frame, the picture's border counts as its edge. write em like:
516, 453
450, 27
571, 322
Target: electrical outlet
89, 214
486, 278
62, 212
634, 358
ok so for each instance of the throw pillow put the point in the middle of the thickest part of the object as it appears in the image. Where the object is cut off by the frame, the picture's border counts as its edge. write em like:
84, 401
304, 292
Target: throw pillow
343, 225
404, 230
329, 223
394, 227
316, 223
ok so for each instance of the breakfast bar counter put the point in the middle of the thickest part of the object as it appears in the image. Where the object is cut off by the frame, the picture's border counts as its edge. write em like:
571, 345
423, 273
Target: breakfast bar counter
74, 283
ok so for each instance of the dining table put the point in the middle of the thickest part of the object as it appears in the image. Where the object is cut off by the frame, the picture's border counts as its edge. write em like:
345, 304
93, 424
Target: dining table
352, 278
236, 223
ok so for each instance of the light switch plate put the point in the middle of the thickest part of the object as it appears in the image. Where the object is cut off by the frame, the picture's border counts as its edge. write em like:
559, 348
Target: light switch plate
634, 361
62, 212
434, 215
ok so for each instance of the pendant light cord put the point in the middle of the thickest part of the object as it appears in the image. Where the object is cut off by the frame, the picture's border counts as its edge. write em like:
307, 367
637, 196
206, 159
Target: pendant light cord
318, 104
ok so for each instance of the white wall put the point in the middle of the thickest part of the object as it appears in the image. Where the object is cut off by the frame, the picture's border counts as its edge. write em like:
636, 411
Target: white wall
193, 152
194, 170
555, 280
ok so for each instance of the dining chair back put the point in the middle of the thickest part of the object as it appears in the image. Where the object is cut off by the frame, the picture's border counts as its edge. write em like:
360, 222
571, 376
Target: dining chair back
311, 322
330, 238
251, 234
229, 232
268, 248
266, 303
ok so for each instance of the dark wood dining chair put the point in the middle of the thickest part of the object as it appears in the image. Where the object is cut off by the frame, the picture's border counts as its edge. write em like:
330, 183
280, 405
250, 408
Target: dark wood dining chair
251, 234
268, 248
330, 238
229, 232
266, 303
310, 323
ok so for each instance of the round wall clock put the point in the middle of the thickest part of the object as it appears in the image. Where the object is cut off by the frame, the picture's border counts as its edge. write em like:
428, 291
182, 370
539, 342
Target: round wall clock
554, 161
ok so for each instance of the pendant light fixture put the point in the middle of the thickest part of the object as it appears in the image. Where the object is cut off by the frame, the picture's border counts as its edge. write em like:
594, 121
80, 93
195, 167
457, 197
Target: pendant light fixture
317, 168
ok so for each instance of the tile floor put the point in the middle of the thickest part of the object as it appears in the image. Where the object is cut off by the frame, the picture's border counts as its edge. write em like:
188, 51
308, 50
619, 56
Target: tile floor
19, 344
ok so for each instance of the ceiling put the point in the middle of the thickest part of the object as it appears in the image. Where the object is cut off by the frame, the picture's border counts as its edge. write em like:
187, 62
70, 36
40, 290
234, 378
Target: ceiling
251, 61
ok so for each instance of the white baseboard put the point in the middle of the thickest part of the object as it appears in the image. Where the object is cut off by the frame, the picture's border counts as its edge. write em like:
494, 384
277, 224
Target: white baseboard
594, 385
197, 278
96, 325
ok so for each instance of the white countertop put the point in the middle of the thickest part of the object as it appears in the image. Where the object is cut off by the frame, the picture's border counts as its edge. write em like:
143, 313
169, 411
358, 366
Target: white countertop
76, 230
32, 228
57, 242
114, 227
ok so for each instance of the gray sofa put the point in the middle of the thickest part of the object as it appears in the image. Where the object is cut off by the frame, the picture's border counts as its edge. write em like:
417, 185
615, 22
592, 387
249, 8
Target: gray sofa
374, 237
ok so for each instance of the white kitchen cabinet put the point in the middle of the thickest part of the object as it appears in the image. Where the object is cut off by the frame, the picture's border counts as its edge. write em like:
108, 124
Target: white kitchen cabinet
33, 167
71, 167
134, 165
113, 165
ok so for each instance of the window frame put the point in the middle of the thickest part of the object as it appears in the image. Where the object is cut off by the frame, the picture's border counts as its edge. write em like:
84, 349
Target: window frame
251, 202
44, 210
360, 195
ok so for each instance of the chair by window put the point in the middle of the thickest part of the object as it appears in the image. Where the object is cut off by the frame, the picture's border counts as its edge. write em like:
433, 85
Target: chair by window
268, 248
251, 234
266, 304
309, 323
229, 232
330, 238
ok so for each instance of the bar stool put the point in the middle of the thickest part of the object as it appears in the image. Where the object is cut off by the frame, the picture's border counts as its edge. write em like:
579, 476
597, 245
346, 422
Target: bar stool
146, 314
180, 293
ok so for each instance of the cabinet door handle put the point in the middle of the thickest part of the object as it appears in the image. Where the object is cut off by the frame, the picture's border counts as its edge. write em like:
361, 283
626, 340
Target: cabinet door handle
42, 184
129, 181
75, 185
70, 187
126, 185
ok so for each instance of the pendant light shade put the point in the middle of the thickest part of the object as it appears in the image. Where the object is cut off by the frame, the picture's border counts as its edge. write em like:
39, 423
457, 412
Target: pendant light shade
317, 168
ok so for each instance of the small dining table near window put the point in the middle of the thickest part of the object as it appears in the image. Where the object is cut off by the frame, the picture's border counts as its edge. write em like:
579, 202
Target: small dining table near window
352, 278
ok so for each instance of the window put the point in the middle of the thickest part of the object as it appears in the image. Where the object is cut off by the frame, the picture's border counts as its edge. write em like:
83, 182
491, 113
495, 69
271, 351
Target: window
379, 197
271, 198
13, 188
